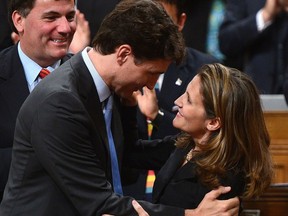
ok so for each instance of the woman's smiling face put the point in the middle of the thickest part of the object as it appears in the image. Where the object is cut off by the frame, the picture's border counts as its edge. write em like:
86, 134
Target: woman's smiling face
191, 117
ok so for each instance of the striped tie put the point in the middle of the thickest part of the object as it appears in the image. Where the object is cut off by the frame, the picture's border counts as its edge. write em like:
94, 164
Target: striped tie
43, 73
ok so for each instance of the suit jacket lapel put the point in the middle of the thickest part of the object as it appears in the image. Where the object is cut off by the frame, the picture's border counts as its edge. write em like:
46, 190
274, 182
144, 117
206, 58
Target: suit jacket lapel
175, 81
167, 171
89, 96
116, 131
13, 76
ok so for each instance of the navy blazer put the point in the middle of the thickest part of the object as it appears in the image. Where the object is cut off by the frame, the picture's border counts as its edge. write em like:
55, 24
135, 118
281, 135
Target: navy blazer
60, 154
13, 92
265, 53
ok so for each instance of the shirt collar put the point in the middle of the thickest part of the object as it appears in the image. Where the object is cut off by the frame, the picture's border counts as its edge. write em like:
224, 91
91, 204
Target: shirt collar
102, 89
31, 68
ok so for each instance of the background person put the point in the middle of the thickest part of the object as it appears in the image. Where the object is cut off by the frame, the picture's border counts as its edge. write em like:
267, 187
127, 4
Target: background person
257, 33
45, 30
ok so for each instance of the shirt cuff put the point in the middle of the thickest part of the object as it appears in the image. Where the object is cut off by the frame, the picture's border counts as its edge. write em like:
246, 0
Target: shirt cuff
156, 122
261, 25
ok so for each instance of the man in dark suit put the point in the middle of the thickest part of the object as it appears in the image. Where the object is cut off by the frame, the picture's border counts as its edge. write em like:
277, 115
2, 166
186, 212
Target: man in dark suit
61, 159
45, 32
257, 32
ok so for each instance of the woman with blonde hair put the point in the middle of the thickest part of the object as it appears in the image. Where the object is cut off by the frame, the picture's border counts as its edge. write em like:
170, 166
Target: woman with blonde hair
224, 142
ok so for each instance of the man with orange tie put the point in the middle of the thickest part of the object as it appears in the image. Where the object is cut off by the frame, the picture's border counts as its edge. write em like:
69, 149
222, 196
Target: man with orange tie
45, 29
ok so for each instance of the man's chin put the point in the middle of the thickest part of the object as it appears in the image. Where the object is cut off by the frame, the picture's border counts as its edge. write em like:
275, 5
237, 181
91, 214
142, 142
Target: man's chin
128, 99
59, 54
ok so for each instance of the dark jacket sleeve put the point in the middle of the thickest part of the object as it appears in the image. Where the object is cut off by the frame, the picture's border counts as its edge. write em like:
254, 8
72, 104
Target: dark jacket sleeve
149, 154
239, 28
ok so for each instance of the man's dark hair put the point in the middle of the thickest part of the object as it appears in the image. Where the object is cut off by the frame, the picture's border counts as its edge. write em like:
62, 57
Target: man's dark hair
145, 26
22, 6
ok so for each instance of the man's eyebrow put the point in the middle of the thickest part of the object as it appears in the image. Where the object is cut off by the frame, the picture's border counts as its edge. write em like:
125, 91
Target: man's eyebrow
55, 13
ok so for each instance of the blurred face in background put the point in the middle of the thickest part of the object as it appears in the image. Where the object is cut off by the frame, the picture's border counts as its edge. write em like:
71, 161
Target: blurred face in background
172, 11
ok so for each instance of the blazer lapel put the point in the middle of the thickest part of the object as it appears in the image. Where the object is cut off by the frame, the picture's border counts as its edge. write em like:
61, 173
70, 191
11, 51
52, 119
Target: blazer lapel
116, 131
168, 171
175, 81
89, 96
13, 76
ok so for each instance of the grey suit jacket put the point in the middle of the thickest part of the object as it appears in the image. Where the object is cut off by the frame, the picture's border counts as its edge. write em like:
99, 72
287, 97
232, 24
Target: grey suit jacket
60, 161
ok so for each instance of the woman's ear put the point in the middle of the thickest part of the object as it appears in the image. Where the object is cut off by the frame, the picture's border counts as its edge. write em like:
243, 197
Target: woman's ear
214, 124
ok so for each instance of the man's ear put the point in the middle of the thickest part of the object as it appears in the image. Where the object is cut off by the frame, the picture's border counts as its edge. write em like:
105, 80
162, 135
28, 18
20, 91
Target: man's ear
18, 21
181, 21
123, 53
214, 124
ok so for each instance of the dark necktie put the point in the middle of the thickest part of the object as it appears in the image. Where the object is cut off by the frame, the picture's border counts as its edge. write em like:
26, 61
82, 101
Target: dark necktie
43, 73
113, 155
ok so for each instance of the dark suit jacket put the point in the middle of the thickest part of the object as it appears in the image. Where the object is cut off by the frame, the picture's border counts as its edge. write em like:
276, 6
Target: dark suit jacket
13, 91
60, 161
265, 53
171, 90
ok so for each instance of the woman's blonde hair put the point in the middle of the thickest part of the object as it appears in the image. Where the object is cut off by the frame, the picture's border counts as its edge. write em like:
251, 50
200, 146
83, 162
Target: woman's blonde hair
243, 141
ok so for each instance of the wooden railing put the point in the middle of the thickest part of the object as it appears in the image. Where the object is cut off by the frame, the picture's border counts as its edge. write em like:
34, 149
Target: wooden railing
275, 201
277, 125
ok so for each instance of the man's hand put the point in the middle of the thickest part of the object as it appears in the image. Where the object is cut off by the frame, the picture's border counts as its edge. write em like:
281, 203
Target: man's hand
271, 9
147, 103
138, 208
15, 37
211, 206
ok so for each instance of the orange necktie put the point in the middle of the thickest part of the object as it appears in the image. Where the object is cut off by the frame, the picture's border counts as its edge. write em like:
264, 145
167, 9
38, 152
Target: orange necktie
43, 73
